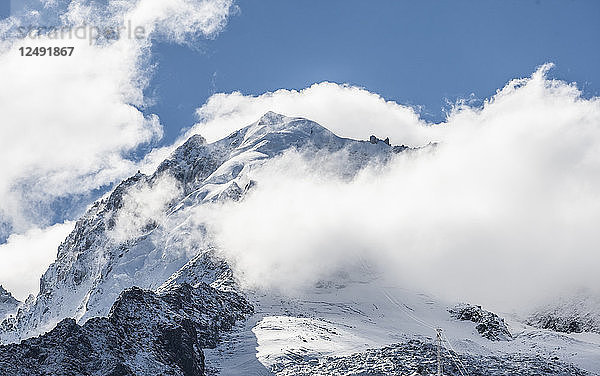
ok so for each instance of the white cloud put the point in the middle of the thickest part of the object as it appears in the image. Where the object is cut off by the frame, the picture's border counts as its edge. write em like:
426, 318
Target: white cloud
179, 20
348, 111
67, 124
25, 257
503, 212
145, 205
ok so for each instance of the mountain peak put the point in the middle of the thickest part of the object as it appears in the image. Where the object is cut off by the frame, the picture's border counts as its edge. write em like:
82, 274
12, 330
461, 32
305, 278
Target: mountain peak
8, 304
271, 117
5, 294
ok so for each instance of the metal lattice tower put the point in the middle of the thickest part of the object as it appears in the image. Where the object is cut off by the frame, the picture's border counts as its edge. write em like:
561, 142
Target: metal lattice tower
439, 352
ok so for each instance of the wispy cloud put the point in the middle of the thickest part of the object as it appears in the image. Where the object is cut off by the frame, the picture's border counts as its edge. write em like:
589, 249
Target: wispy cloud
70, 124
26, 257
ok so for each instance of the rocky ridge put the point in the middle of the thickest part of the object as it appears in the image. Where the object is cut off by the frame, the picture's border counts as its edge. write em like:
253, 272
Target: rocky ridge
418, 358
576, 314
145, 333
8, 304
489, 324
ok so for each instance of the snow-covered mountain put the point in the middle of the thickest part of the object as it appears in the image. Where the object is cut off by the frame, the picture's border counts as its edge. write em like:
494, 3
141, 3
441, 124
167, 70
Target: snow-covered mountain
141, 288
117, 244
106, 254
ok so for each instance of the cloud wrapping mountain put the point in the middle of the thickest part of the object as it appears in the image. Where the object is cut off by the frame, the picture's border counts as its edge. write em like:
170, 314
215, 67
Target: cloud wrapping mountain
502, 211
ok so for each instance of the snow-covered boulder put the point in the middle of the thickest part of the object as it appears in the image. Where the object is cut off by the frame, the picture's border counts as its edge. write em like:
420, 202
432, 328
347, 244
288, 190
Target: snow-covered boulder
489, 324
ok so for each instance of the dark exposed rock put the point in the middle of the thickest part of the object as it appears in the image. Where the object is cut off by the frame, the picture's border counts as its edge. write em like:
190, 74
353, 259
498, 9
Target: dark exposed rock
192, 162
399, 148
204, 267
232, 193
144, 334
375, 140
417, 357
8, 304
489, 325
563, 323
573, 314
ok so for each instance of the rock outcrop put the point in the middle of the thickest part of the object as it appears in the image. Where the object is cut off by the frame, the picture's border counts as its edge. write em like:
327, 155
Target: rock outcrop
8, 304
489, 324
418, 358
145, 334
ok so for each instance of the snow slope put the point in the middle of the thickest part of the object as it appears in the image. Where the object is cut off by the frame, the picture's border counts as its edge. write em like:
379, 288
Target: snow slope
290, 335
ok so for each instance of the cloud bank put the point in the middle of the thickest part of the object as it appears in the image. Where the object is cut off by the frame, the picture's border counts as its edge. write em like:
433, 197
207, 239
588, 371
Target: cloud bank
503, 212
25, 257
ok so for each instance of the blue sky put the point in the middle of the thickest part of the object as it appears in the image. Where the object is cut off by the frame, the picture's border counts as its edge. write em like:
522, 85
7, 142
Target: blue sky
422, 53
